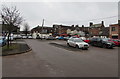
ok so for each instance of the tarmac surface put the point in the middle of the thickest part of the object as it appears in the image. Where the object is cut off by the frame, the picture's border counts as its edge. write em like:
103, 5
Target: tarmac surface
49, 60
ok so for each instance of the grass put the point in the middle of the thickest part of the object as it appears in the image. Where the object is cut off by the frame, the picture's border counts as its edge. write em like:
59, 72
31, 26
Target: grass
14, 48
11, 47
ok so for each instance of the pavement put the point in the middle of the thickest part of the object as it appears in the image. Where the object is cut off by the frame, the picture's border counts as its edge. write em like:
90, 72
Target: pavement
46, 60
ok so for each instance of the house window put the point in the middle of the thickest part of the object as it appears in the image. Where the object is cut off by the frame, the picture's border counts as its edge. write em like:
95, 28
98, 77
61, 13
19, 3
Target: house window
113, 29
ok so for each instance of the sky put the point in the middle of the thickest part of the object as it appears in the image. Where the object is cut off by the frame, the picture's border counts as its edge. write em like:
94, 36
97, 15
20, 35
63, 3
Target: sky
67, 13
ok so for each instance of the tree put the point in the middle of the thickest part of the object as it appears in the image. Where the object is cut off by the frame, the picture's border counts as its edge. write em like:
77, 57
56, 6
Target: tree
11, 17
26, 28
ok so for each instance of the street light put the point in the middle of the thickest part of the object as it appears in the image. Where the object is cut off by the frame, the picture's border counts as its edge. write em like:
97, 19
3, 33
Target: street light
42, 28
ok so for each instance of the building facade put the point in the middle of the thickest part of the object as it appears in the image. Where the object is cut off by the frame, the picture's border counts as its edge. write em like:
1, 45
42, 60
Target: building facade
98, 30
92, 30
114, 31
42, 30
60, 29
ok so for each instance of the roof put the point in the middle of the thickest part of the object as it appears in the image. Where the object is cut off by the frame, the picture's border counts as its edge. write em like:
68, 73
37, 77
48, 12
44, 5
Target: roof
41, 27
114, 25
96, 25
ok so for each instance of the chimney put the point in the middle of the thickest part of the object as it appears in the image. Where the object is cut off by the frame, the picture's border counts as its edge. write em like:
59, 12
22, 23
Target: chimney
119, 22
82, 26
91, 23
102, 23
72, 26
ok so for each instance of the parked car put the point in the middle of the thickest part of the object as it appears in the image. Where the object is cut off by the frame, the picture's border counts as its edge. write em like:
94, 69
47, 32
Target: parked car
66, 38
102, 42
50, 38
56, 37
83, 38
116, 41
3, 41
61, 38
15, 36
73, 37
78, 43
87, 40
10, 38
24, 37
30, 37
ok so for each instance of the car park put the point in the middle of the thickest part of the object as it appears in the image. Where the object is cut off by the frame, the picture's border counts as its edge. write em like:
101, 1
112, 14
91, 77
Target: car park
102, 42
78, 43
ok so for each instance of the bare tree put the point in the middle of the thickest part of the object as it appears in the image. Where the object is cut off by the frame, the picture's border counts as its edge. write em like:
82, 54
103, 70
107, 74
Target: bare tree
11, 17
26, 28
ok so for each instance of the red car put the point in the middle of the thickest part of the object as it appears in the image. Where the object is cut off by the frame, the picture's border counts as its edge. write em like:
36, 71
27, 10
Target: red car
87, 40
116, 42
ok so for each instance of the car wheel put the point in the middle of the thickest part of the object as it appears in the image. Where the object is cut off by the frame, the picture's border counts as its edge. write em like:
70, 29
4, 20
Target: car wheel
86, 48
68, 44
77, 46
104, 46
94, 44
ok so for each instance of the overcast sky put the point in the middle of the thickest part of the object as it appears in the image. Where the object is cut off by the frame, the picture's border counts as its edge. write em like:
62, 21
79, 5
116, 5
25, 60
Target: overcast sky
67, 13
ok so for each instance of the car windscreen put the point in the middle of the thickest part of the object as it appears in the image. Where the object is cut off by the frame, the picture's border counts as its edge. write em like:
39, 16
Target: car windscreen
78, 40
105, 39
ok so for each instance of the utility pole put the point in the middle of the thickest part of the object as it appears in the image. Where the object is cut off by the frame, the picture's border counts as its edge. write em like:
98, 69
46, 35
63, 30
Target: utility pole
42, 28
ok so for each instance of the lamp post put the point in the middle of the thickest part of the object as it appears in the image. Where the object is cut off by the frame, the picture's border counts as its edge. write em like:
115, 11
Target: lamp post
42, 28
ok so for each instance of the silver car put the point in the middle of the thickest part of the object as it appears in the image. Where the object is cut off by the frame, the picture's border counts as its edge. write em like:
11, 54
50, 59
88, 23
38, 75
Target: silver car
78, 43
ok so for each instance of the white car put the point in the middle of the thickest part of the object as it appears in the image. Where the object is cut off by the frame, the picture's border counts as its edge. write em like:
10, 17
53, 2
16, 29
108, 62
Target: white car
83, 38
17, 36
10, 38
30, 37
24, 37
78, 43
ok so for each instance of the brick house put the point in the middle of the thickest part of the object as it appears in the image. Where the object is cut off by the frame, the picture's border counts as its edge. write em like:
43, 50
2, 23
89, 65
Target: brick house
70, 30
114, 31
60, 29
43, 30
98, 29
92, 30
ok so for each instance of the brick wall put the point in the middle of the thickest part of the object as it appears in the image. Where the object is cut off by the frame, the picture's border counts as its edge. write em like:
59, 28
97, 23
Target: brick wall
116, 32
